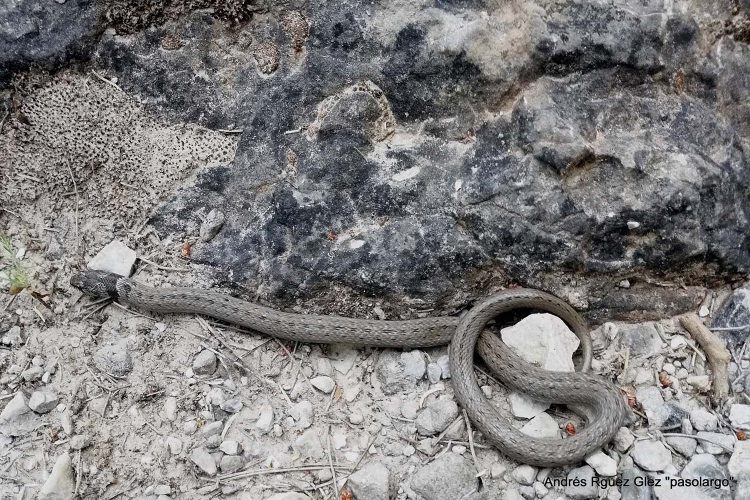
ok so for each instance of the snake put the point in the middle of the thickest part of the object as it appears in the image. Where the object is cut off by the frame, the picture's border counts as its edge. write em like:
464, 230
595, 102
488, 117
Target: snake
598, 400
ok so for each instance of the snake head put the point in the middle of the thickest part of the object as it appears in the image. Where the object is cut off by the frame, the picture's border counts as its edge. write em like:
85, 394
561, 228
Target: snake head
102, 284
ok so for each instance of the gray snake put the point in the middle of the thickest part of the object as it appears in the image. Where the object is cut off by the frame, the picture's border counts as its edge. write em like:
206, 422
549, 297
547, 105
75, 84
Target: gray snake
601, 402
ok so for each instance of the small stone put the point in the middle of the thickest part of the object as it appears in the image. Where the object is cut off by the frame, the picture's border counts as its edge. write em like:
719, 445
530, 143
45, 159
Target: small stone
231, 463
115, 258
524, 474
436, 417
434, 373
356, 418
677, 342
372, 481
497, 470
190, 427
213, 442
523, 406
623, 439
230, 447
408, 450
723, 443
290, 495
61, 481
542, 426
203, 459
701, 383
211, 225
633, 224
704, 311
32, 373
544, 340
486, 390
704, 420
43, 401
739, 463
603, 464
265, 421
445, 366
624, 284
449, 476
585, 487
459, 448
669, 368
641, 339
79, 442
739, 415
685, 446
704, 466
233, 405
204, 363
414, 364
162, 489
212, 428
652, 456
323, 383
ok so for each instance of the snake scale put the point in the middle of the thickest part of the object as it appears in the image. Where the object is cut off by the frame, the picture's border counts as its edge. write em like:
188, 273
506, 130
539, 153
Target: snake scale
599, 401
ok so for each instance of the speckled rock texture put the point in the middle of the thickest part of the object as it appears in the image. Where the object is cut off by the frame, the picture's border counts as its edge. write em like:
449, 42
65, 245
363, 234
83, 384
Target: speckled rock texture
430, 152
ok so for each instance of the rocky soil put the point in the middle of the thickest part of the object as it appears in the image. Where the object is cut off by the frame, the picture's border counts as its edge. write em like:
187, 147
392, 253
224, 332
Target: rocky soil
383, 160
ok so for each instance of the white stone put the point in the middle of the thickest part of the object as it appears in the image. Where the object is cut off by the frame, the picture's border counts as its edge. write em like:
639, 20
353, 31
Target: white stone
724, 442
204, 363
739, 463
414, 364
652, 456
43, 401
633, 224
230, 447
289, 495
323, 383
523, 406
203, 459
370, 482
356, 418
61, 482
542, 426
704, 420
524, 474
115, 257
739, 415
543, 339
265, 421
445, 366
602, 463
623, 440
677, 342
436, 416
434, 373
700, 382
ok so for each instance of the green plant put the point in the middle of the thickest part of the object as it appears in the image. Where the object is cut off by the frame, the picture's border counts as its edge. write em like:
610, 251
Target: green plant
14, 272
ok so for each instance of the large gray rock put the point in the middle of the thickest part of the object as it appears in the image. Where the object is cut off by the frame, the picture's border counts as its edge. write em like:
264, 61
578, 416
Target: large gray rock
44, 33
400, 156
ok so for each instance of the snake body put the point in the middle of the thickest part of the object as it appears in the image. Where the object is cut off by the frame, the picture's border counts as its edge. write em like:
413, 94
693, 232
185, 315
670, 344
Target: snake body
599, 400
